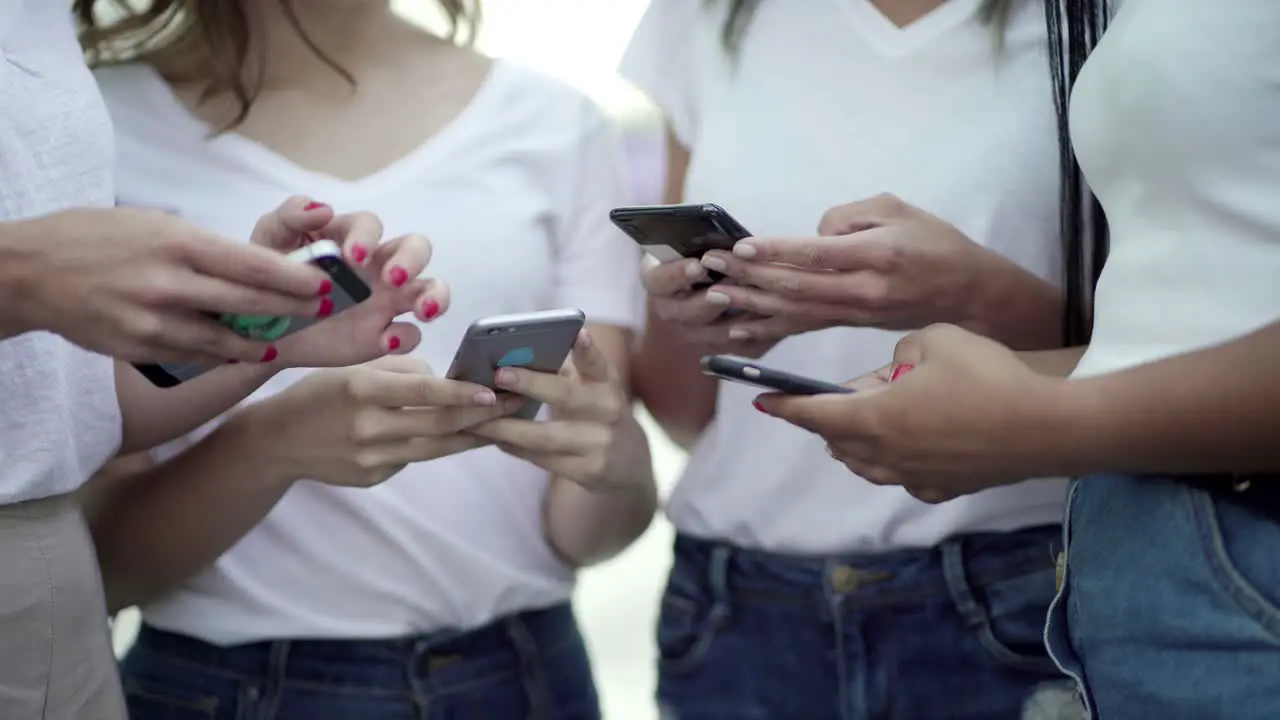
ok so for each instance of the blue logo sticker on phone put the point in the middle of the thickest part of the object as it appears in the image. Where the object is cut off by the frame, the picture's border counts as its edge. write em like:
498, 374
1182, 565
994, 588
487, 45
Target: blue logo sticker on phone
516, 357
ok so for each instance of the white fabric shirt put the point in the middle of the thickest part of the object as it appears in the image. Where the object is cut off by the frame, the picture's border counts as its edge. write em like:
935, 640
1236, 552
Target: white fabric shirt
1176, 122
514, 195
59, 417
828, 104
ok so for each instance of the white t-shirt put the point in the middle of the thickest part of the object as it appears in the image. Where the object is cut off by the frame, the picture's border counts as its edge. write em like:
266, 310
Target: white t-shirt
514, 195
59, 417
1176, 122
823, 105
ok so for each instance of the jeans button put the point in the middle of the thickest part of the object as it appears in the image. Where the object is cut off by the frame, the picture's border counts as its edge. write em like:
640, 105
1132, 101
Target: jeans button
844, 579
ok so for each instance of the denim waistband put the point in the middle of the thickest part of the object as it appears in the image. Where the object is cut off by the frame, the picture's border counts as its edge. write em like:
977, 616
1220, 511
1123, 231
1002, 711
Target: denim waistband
871, 579
515, 637
1256, 492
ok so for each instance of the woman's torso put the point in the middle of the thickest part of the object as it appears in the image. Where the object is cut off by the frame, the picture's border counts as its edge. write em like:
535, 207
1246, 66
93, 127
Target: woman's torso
458, 541
826, 105
59, 418
1176, 122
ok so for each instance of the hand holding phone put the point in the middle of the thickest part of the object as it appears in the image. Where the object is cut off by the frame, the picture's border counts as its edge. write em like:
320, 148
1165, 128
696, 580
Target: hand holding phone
748, 372
672, 232
588, 405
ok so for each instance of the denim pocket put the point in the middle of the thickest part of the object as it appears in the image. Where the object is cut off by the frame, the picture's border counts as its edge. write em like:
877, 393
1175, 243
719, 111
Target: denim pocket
153, 701
1014, 612
1240, 547
686, 626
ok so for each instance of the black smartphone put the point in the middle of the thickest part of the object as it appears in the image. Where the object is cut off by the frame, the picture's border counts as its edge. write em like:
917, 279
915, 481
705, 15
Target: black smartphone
540, 341
741, 370
348, 290
672, 232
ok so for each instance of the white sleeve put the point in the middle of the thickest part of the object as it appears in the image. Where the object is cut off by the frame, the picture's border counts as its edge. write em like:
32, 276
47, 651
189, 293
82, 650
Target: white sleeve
597, 267
668, 59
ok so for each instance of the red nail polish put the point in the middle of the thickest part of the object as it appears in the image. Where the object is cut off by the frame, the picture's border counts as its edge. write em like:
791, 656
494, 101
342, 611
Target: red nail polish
326, 286
393, 343
326, 307
313, 205
756, 404
430, 309
270, 354
358, 253
398, 276
900, 371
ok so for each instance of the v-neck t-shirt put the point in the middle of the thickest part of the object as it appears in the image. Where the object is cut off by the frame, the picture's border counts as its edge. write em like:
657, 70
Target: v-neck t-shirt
1176, 122
59, 416
514, 195
826, 104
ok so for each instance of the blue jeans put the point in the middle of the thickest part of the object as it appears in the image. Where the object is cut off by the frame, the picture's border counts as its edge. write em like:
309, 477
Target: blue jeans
1171, 604
533, 665
952, 632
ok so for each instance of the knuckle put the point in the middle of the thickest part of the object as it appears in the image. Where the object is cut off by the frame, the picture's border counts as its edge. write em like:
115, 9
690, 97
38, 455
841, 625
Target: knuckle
368, 461
874, 295
365, 427
144, 327
815, 255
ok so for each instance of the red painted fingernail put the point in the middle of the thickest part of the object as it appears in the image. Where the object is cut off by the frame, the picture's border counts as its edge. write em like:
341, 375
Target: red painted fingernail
756, 404
326, 286
358, 253
393, 343
270, 354
398, 276
313, 205
326, 308
430, 309
900, 371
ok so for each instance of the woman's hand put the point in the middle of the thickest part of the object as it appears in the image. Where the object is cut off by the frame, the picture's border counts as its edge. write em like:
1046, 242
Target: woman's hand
968, 415
876, 263
697, 315
391, 268
587, 405
359, 426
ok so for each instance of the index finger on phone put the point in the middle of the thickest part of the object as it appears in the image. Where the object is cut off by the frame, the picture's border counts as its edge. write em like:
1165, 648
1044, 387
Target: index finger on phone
252, 266
674, 278
408, 389
848, 252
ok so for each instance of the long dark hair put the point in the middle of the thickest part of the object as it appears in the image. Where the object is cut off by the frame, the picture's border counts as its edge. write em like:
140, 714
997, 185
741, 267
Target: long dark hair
210, 41
1074, 28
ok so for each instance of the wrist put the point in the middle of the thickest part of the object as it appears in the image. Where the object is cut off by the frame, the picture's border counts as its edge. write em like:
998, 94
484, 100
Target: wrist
1064, 436
22, 272
1005, 302
254, 432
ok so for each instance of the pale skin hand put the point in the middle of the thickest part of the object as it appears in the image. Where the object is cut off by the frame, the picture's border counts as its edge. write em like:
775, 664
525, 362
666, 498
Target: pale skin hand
367, 331
359, 426
588, 404
133, 284
886, 264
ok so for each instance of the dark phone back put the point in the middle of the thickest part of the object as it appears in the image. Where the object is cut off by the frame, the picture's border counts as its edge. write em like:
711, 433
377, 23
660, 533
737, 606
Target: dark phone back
670, 232
539, 341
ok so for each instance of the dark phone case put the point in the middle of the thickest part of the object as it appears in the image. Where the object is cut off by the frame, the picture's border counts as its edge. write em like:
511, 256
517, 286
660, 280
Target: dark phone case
711, 224
742, 370
351, 291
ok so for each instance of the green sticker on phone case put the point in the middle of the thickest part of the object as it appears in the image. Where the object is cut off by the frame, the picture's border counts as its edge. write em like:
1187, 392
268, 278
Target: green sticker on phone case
257, 327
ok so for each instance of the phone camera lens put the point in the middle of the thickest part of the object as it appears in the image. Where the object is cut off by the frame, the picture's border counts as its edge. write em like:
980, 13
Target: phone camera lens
495, 331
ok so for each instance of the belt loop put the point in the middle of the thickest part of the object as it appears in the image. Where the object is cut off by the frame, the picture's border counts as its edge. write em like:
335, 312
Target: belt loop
267, 696
953, 571
718, 581
531, 670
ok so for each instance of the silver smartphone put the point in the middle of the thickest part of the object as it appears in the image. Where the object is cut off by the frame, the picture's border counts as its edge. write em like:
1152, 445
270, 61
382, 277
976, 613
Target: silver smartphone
539, 341
348, 290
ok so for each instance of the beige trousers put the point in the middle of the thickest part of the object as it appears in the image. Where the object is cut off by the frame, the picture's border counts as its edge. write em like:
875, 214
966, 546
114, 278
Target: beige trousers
56, 661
